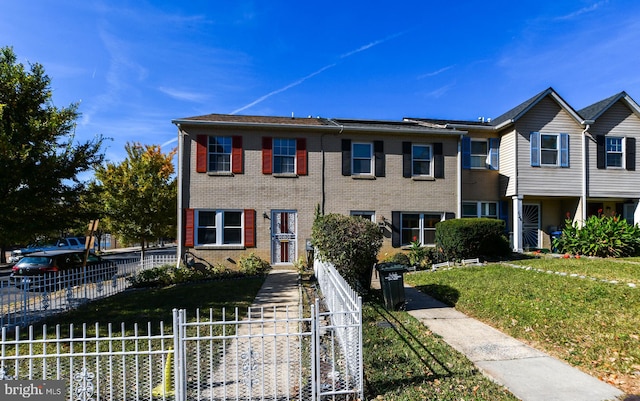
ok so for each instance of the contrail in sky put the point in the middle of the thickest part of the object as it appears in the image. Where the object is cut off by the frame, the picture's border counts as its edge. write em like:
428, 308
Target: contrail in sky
313, 74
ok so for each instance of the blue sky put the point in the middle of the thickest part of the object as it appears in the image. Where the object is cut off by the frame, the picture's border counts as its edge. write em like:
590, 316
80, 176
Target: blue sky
136, 65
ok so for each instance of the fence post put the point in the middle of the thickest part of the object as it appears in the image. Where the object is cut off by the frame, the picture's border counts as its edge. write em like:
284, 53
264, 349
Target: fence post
178, 353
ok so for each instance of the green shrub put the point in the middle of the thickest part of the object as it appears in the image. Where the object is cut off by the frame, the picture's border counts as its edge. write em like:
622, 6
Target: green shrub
472, 238
252, 264
351, 244
601, 235
165, 275
400, 258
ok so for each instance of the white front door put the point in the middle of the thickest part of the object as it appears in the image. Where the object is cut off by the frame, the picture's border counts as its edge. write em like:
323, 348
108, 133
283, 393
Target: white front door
530, 225
283, 236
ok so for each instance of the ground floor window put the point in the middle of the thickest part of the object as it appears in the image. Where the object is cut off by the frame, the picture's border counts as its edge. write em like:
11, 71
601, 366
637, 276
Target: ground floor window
371, 216
419, 227
219, 227
480, 209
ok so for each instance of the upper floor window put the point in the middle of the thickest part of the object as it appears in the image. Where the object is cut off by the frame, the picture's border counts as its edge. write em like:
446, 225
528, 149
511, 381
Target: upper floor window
284, 156
480, 209
615, 152
362, 159
421, 157
220, 153
219, 227
480, 153
549, 149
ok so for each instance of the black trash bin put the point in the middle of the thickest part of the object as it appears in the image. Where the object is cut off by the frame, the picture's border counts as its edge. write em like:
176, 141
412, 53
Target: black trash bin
392, 284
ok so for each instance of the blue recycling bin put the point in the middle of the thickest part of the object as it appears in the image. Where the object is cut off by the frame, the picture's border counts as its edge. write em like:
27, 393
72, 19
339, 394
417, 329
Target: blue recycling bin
554, 235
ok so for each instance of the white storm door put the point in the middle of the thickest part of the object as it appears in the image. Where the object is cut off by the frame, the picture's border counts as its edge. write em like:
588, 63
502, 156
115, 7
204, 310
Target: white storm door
283, 236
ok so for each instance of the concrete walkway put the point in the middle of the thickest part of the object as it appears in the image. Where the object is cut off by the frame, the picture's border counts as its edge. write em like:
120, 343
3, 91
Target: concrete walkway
527, 373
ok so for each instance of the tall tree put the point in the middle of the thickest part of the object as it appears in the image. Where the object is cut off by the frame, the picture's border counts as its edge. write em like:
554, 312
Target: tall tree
39, 160
140, 193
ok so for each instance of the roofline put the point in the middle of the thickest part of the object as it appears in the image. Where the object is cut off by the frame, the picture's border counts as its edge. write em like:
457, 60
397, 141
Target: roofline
621, 96
333, 126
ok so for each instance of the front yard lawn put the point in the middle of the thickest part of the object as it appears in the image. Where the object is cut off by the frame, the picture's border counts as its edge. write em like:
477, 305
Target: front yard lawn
591, 324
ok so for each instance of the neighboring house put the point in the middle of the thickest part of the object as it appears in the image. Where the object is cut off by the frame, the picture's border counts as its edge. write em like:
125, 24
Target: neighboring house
254, 184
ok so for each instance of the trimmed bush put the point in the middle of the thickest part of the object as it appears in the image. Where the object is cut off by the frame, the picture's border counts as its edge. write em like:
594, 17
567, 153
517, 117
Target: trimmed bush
252, 264
601, 235
472, 238
351, 244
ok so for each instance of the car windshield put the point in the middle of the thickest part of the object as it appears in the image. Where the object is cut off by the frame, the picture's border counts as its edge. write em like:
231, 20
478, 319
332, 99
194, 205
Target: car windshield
34, 260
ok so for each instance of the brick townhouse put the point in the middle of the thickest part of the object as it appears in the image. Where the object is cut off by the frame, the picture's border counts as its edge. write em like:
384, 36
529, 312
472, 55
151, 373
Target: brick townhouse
255, 183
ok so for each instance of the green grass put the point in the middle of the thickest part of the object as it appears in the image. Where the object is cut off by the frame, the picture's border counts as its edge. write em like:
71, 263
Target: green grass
590, 324
156, 304
403, 360
623, 270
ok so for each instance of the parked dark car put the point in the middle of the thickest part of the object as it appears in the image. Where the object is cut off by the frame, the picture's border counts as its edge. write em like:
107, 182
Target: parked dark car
53, 270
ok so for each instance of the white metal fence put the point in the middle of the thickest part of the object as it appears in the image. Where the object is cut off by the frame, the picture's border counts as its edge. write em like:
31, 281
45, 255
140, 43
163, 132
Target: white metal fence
24, 300
277, 353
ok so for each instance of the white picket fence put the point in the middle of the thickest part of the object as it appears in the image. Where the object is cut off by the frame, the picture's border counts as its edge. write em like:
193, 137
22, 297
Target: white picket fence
49, 294
278, 353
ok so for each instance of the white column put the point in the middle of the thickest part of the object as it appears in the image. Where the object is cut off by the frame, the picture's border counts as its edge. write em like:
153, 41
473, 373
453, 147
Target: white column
517, 223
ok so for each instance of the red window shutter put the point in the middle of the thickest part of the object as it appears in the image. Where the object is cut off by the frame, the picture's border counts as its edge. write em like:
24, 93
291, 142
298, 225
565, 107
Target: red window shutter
201, 153
301, 156
189, 227
236, 155
267, 154
249, 228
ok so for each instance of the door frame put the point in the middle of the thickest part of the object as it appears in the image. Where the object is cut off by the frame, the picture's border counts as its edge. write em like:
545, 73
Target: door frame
289, 238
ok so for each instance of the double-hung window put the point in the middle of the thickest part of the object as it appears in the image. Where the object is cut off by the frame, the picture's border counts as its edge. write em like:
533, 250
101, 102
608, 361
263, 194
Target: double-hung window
419, 227
421, 160
479, 152
549, 146
362, 158
480, 209
549, 150
284, 156
219, 227
220, 153
615, 152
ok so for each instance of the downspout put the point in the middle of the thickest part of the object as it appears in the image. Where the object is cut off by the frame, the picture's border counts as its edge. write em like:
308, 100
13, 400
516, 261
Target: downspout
179, 234
459, 178
583, 211
324, 195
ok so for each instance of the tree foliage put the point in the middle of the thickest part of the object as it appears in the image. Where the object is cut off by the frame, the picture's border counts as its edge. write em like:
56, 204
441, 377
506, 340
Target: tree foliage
139, 194
39, 159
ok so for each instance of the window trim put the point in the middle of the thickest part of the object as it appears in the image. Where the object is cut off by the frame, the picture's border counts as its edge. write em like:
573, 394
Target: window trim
371, 215
622, 153
371, 159
414, 159
479, 206
210, 153
421, 226
562, 149
292, 156
219, 227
